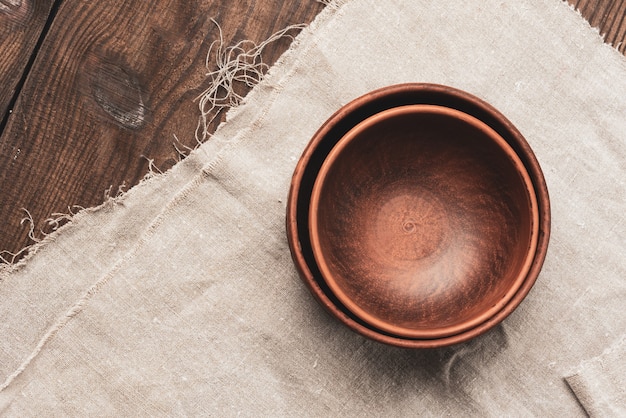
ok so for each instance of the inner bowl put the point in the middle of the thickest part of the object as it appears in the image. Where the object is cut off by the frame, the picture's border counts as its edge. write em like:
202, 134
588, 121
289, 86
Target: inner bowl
423, 221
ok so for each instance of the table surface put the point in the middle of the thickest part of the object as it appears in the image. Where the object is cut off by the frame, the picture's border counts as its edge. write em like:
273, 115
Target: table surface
94, 94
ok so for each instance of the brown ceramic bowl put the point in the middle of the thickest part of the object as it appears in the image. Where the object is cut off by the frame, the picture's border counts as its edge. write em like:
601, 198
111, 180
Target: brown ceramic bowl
316, 153
423, 221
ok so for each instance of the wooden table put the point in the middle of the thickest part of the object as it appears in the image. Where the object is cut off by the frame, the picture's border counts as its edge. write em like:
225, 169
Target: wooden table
94, 94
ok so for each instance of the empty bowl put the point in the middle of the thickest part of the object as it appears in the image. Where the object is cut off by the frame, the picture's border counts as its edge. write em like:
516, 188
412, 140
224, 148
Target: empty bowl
435, 248
423, 221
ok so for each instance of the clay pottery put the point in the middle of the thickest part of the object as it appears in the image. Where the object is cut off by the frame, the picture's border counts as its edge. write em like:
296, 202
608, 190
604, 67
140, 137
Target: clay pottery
423, 221
418, 216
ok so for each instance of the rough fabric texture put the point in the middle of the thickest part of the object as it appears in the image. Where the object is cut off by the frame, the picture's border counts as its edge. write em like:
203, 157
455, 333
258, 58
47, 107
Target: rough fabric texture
180, 297
600, 383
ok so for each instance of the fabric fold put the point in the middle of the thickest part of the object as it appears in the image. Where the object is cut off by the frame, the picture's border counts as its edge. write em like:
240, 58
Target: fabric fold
599, 383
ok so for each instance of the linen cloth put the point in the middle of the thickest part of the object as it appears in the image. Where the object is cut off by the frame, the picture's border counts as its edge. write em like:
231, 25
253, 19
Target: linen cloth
180, 297
600, 383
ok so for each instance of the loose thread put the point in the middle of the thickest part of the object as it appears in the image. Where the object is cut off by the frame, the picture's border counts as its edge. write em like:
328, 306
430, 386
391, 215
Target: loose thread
182, 154
58, 219
31, 228
8, 257
120, 192
152, 168
239, 64
54, 222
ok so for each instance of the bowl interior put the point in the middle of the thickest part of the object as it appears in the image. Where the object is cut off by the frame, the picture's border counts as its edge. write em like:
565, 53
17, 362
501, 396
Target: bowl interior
423, 221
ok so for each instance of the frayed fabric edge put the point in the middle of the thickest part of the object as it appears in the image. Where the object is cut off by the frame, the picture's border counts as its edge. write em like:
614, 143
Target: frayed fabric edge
58, 222
613, 47
333, 7
241, 62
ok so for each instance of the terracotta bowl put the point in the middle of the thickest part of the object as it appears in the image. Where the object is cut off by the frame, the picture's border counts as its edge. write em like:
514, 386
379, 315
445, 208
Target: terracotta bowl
423, 221
418, 216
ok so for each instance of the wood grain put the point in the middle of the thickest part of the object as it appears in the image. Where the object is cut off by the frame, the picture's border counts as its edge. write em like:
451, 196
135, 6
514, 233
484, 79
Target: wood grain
609, 16
114, 81
21, 24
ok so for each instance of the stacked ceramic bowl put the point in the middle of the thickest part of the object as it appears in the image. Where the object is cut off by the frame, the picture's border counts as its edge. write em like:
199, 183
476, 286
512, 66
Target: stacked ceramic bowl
418, 216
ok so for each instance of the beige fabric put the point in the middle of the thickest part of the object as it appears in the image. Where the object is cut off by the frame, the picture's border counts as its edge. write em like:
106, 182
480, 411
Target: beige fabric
180, 297
600, 383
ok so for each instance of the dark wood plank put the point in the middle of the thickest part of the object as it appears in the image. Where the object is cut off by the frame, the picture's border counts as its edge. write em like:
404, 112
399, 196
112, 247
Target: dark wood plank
609, 16
21, 23
115, 81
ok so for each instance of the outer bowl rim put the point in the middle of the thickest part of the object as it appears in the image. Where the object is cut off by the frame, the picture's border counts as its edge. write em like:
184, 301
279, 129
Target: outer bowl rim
497, 121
